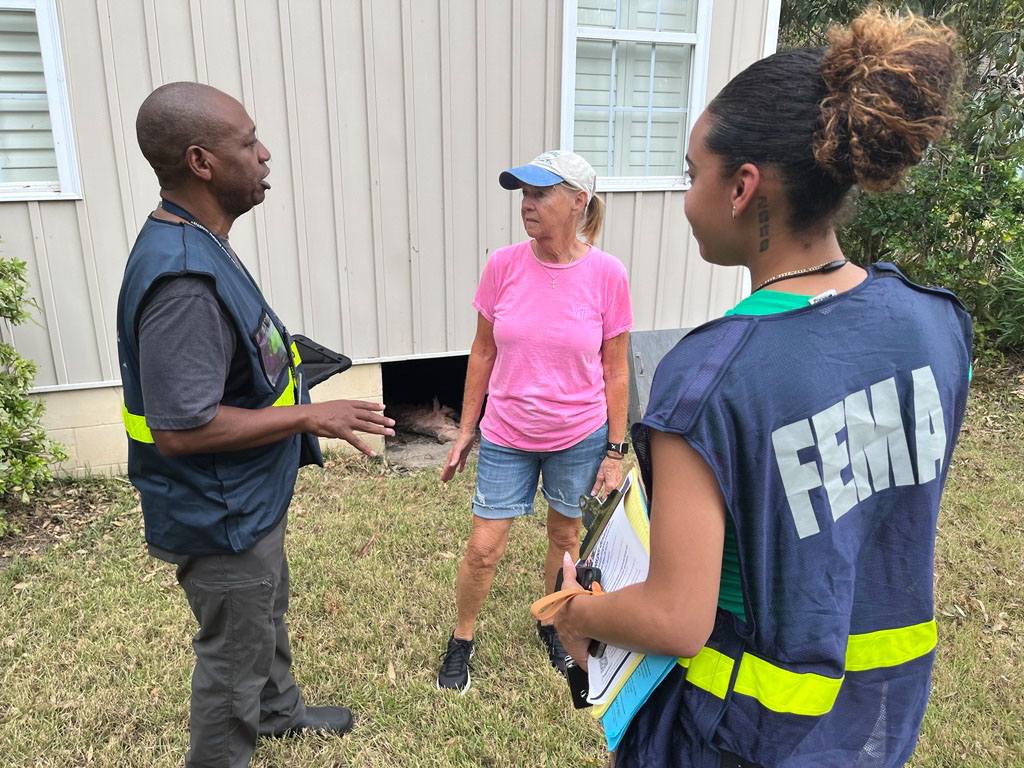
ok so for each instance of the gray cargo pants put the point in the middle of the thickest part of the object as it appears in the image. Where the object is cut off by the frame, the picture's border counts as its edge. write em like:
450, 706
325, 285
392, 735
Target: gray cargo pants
242, 685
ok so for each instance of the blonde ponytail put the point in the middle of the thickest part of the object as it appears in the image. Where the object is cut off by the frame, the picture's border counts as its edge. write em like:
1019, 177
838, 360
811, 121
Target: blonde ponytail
593, 218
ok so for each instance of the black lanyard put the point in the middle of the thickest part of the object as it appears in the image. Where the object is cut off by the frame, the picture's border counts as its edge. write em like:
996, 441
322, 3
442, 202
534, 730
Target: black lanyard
180, 212
177, 210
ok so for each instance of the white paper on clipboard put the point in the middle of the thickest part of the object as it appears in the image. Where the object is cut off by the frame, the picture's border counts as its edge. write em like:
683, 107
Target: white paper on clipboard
622, 554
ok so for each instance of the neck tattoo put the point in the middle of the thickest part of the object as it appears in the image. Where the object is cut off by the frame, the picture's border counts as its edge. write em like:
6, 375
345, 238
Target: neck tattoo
762, 220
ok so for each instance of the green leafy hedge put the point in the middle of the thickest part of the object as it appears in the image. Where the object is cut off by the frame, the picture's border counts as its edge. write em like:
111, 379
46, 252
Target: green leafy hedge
958, 222
25, 451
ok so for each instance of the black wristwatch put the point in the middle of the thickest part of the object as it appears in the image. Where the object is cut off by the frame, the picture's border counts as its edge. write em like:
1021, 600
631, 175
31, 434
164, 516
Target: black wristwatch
622, 447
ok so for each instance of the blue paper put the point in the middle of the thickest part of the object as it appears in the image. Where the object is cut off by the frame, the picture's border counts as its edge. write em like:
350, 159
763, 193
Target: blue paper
634, 692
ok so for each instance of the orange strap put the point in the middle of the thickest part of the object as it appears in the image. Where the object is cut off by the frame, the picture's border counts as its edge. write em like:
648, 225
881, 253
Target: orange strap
549, 606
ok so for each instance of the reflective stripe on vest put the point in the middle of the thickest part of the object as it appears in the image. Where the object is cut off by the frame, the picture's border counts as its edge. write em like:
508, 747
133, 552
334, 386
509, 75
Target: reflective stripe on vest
775, 688
807, 693
890, 647
135, 424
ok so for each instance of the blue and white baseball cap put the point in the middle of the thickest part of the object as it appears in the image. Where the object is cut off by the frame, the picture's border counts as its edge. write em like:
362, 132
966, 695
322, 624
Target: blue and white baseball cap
550, 168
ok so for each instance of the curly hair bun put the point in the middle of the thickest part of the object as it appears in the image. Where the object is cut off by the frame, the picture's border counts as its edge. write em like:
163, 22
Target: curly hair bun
888, 80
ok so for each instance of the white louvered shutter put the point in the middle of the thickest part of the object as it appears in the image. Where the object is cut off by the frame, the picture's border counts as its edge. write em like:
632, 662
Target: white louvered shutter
26, 139
625, 122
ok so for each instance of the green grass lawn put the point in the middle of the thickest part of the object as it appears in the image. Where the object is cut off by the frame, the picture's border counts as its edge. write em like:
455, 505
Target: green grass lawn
94, 635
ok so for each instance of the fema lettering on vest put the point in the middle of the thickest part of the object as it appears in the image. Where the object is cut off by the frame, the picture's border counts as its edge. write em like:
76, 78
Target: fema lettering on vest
876, 448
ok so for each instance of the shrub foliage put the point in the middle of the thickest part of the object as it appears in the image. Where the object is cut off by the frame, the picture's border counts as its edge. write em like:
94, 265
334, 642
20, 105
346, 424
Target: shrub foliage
25, 451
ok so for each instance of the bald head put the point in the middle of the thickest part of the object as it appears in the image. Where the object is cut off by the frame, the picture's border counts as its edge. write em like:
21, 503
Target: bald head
176, 116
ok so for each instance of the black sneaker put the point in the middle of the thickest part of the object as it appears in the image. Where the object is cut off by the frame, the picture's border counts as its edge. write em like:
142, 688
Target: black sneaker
454, 673
556, 653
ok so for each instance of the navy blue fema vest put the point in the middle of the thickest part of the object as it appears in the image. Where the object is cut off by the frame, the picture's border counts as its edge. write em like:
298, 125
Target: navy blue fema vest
830, 430
210, 503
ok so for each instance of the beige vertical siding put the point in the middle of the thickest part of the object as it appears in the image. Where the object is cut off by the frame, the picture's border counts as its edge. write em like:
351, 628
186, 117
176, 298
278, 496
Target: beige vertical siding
388, 122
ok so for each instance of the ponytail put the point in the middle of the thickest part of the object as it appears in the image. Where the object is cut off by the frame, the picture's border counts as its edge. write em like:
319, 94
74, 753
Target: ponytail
593, 218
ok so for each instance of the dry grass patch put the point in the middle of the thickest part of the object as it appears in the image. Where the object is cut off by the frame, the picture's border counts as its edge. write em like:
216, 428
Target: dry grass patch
95, 657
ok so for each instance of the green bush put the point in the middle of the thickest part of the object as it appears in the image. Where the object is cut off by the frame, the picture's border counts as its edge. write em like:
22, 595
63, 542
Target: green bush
957, 222
1010, 308
25, 451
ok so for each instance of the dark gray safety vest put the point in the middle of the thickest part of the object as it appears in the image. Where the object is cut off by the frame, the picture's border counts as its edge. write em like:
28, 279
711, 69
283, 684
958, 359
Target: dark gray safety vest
830, 430
210, 503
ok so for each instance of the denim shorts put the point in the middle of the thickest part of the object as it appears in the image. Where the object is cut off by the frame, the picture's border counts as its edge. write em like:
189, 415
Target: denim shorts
506, 478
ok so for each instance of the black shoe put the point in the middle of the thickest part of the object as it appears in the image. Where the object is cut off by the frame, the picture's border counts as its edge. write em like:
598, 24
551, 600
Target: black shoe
336, 720
454, 673
556, 653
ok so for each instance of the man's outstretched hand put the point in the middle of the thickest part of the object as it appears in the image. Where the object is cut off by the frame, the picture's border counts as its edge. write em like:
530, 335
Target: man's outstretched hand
343, 418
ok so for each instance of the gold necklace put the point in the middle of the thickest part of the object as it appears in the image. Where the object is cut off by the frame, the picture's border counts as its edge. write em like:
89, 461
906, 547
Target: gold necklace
828, 266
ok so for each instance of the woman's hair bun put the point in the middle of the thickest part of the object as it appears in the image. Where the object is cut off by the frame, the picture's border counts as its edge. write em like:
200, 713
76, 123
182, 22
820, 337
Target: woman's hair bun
888, 81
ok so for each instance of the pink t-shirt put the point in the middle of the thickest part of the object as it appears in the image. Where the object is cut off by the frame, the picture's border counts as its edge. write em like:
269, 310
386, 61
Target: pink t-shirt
546, 390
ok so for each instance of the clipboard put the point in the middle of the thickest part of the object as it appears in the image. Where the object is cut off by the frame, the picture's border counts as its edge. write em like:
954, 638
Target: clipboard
318, 362
628, 680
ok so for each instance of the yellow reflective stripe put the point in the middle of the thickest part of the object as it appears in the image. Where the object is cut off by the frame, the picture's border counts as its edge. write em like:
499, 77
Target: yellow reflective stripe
890, 647
135, 426
288, 396
709, 670
807, 693
778, 689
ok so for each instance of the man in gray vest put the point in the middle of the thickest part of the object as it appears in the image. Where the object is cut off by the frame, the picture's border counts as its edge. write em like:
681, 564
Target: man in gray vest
206, 366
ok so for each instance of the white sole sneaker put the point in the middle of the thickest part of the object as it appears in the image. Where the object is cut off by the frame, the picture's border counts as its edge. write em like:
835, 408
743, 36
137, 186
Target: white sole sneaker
469, 678
462, 691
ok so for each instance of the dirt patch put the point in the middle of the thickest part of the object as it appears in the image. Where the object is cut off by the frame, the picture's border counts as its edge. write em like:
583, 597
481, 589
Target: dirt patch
59, 513
412, 452
424, 433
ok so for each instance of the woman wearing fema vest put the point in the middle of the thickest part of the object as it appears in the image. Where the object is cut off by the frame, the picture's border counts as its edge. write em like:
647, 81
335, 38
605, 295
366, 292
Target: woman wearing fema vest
796, 449
550, 353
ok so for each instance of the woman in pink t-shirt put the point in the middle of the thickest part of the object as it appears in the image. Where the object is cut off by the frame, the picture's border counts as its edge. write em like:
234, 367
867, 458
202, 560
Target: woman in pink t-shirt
550, 353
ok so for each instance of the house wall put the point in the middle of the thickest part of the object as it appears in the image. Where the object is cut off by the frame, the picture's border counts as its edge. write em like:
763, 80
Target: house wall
388, 122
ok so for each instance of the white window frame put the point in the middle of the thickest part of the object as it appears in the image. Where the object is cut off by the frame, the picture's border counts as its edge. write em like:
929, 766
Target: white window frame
69, 186
700, 40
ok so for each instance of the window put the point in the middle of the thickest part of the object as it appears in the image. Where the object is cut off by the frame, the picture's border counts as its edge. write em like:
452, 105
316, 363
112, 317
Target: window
37, 157
634, 78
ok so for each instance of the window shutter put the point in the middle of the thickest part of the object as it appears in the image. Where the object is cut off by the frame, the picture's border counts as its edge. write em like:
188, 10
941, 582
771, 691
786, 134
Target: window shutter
670, 91
669, 96
593, 82
633, 126
663, 15
670, 15
596, 13
26, 138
